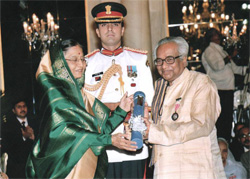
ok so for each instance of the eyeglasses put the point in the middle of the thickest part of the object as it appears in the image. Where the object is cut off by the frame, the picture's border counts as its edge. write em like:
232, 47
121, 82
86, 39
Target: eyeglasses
168, 60
75, 60
244, 135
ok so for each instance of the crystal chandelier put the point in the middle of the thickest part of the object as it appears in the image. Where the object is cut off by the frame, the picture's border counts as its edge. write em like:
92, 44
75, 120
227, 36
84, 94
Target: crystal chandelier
196, 22
212, 15
230, 32
40, 34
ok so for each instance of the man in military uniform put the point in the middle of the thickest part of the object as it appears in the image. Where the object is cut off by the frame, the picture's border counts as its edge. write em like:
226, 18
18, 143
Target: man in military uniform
112, 71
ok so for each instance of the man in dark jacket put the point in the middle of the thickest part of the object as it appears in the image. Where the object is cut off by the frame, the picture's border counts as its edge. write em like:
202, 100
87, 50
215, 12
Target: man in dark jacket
18, 134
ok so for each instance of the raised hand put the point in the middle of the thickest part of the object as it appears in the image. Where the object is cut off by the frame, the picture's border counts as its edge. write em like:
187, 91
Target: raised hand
126, 102
28, 133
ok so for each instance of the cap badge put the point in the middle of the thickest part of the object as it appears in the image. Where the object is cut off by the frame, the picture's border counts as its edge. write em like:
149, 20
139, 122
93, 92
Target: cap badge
108, 9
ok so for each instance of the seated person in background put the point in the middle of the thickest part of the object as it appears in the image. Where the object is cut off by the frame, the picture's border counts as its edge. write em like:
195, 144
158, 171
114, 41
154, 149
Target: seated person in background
18, 134
235, 143
75, 126
236, 130
233, 169
244, 143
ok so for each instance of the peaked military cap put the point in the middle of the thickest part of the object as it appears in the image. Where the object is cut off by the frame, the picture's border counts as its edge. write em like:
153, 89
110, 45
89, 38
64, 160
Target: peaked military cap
109, 12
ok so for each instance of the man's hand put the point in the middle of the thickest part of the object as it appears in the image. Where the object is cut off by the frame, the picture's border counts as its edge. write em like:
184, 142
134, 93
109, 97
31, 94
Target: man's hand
146, 121
3, 176
119, 141
227, 59
126, 102
234, 53
28, 133
146, 132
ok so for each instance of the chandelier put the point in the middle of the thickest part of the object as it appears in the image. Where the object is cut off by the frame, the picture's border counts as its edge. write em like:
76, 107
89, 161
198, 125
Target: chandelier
40, 34
197, 18
232, 37
195, 22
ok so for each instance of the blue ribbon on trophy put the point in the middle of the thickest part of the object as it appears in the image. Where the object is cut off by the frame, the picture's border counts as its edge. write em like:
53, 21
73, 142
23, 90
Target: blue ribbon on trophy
136, 122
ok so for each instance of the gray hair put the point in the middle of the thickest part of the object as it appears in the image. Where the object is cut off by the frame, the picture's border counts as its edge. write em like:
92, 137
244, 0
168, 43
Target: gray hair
220, 139
180, 41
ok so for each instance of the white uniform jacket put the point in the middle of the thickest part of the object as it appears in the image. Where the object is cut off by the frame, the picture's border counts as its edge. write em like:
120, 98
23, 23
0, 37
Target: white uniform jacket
136, 77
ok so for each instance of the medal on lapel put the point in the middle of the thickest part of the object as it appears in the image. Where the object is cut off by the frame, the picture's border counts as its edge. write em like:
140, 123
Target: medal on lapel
175, 115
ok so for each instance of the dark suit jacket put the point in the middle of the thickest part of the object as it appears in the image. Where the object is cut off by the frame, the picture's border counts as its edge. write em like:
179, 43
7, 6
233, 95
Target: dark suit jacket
246, 162
16, 148
236, 148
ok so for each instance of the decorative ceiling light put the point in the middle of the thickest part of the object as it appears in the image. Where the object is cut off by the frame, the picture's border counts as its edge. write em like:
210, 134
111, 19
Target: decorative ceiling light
40, 34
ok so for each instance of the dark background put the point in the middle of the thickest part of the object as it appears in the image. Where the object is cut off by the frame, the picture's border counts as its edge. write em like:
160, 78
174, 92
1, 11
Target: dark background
20, 65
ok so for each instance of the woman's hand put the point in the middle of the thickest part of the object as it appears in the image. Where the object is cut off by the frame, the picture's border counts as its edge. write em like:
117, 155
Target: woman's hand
119, 141
126, 102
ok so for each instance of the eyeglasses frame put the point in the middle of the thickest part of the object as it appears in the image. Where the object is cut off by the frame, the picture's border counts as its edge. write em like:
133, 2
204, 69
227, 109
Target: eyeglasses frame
165, 60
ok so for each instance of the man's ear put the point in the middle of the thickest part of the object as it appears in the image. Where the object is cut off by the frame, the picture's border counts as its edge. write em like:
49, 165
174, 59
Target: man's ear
97, 32
13, 111
184, 60
123, 29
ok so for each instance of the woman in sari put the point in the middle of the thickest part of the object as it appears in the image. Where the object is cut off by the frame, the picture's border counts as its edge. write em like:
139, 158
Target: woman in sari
75, 126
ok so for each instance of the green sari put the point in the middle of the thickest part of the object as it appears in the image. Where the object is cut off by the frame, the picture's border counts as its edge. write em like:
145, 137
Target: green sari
72, 122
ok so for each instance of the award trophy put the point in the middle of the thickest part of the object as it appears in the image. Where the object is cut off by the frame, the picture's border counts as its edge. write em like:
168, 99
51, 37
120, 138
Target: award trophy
136, 123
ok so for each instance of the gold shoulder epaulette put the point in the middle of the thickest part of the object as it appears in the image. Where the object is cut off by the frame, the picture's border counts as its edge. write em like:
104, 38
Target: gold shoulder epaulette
92, 53
145, 52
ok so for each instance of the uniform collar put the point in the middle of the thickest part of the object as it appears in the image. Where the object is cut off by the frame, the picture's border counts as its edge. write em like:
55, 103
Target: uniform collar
112, 53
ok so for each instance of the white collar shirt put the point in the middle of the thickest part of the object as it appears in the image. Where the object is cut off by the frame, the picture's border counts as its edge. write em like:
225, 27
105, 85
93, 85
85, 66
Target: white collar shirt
222, 74
26, 123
